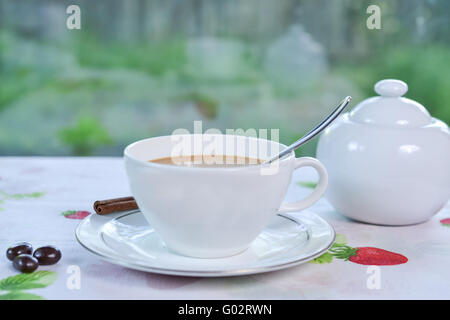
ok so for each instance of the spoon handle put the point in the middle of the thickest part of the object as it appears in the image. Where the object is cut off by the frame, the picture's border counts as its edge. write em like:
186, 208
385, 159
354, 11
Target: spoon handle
314, 131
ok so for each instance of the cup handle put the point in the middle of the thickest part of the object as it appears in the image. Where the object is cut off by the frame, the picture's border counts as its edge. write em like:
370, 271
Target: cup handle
317, 192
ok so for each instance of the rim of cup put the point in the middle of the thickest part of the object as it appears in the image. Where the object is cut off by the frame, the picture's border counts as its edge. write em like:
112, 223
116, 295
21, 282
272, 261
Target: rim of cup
148, 163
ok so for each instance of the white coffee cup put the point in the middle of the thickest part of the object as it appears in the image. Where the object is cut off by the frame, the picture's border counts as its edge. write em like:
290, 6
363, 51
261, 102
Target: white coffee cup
217, 211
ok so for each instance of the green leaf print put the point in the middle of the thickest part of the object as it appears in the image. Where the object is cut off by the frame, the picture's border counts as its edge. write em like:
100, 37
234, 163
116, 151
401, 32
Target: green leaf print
18, 196
307, 184
340, 239
327, 257
36, 194
19, 295
21, 195
24, 281
68, 212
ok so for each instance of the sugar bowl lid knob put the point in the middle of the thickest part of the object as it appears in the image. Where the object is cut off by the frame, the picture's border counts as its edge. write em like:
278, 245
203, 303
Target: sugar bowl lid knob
391, 88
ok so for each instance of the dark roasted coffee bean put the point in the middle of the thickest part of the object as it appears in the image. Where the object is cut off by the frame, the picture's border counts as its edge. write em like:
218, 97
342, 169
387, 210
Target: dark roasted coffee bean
25, 263
47, 255
19, 248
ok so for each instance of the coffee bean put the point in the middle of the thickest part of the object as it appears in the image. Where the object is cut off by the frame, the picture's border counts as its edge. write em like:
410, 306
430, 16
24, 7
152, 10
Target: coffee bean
47, 255
25, 263
19, 248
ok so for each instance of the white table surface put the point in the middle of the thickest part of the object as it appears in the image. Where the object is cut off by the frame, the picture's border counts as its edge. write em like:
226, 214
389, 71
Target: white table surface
75, 183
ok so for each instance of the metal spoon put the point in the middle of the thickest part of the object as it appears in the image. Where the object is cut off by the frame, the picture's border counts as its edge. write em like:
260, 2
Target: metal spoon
314, 131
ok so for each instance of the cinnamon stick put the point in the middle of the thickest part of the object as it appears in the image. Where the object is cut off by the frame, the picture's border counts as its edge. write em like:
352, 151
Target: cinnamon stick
113, 205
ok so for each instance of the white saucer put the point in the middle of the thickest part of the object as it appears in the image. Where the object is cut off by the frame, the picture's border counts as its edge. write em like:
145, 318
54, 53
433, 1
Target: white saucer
127, 239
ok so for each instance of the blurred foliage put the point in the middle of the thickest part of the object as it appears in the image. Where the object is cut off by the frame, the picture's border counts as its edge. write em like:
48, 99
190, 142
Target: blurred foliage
69, 85
162, 59
148, 77
155, 58
424, 68
85, 136
15, 84
206, 105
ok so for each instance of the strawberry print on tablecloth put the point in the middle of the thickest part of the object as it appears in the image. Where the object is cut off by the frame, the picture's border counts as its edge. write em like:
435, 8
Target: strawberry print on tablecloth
445, 222
361, 255
75, 214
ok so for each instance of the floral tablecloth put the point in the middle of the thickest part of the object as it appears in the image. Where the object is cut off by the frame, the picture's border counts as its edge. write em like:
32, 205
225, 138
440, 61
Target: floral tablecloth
43, 199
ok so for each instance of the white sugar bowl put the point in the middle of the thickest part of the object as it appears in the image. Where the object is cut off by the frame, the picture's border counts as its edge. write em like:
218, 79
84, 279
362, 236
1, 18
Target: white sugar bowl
388, 160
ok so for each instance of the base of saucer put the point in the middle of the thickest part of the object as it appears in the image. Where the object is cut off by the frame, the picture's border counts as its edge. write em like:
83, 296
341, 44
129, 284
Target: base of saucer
127, 239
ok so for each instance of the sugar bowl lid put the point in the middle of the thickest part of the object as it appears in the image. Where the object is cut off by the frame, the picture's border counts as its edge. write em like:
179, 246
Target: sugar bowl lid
390, 108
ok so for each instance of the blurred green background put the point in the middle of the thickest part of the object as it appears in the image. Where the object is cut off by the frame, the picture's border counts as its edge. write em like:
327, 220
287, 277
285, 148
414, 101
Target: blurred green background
142, 68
